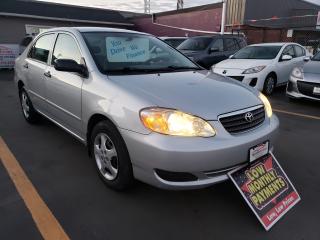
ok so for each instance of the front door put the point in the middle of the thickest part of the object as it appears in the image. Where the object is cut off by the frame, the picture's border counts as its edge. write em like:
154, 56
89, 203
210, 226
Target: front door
63, 89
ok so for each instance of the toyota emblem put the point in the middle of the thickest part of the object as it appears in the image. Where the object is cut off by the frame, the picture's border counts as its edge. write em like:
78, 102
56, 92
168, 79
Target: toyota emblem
248, 117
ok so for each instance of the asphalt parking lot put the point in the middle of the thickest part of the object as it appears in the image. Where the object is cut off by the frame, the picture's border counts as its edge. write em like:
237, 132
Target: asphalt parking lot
61, 172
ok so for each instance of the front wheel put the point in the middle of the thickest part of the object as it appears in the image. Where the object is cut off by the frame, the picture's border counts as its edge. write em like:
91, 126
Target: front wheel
269, 85
110, 156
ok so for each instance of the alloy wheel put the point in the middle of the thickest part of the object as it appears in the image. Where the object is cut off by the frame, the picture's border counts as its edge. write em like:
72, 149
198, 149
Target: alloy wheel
106, 156
25, 104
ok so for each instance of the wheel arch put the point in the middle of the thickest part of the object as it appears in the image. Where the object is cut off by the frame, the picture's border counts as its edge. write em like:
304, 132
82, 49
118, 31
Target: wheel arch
94, 120
273, 73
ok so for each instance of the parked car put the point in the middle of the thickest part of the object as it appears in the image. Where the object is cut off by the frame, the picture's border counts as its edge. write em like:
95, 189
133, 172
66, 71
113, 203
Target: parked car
162, 120
174, 41
209, 50
305, 80
25, 42
263, 66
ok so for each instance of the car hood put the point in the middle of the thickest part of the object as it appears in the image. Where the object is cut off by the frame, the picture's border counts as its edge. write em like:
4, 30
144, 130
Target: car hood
312, 67
242, 64
201, 93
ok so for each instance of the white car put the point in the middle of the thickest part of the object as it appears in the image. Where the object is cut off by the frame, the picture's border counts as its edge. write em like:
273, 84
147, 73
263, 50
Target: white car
263, 66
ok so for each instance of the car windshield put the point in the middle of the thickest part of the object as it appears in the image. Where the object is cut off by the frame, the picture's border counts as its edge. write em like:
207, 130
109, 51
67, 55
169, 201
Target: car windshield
195, 44
131, 53
257, 52
316, 57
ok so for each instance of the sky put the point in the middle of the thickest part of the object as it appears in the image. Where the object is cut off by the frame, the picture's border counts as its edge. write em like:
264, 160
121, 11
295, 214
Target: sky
138, 5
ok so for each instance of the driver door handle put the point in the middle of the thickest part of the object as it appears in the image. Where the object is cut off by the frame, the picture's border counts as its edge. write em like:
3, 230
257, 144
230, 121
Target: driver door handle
47, 74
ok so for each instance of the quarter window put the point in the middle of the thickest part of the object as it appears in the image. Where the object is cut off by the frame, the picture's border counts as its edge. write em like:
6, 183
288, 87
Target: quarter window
66, 48
41, 49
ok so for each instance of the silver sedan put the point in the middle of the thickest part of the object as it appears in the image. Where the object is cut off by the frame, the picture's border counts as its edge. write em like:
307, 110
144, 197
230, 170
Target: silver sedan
144, 110
304, 81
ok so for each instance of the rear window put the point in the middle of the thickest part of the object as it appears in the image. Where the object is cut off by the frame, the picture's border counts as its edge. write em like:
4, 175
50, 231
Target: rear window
196, 44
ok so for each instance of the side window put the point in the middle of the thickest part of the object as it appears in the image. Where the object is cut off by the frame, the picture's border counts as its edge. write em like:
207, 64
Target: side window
289, 51
66, 48
231, 44
218, 44
300, 52
41, 49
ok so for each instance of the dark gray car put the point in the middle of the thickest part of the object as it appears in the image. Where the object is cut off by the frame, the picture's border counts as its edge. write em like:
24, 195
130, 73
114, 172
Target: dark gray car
305, 81
209, 50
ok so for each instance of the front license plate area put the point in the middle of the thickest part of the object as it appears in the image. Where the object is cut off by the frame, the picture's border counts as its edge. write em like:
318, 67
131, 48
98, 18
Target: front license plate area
316, 90
258, 151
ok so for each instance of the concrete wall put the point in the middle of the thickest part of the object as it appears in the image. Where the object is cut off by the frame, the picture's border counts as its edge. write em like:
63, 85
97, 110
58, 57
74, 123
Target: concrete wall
12, 29
206, 20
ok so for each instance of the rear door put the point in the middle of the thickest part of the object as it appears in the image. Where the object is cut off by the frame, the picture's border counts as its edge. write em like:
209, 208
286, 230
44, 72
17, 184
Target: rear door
300, 55
284, 68
63, 89
36, 65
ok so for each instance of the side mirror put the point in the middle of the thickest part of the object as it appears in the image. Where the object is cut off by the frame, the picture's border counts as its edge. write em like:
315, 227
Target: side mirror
286, 58
213, 49
68, 65
306, 59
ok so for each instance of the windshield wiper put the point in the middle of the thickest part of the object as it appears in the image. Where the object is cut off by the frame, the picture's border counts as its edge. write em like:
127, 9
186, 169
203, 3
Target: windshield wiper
130, 69
172, 67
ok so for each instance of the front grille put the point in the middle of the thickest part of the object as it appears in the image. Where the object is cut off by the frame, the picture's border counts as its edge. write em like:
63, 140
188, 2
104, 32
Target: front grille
239, 78
237, 123
306, 88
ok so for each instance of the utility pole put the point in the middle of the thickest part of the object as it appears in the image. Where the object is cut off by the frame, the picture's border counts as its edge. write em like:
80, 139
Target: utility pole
223, 17
179, 4
147, 6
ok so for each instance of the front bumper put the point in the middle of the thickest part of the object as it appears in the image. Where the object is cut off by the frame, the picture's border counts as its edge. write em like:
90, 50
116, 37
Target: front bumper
293, 91
208, 159
255, 80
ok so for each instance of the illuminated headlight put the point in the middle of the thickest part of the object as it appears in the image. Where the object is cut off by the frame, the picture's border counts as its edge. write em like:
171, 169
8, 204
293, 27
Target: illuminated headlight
297, 73
266, 104
254, 70
176, 123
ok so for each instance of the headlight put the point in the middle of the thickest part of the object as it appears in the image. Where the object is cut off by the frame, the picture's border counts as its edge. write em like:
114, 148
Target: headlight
254, 70
297, 73
267, 104
176, 123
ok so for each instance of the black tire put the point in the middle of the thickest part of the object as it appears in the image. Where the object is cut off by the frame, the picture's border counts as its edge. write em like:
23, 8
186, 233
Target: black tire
292, 99
124, 177
269, 84
28, 111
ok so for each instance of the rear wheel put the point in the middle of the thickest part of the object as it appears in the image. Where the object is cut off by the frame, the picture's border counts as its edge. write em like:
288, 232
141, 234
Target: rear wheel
110, 156
29, 113
269, 84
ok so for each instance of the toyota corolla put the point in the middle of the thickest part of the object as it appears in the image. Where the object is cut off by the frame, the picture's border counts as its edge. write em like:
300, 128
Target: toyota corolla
143, 109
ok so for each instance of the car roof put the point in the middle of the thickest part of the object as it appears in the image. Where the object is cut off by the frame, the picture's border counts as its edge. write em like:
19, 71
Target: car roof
219, 36
274, 44
94, 29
